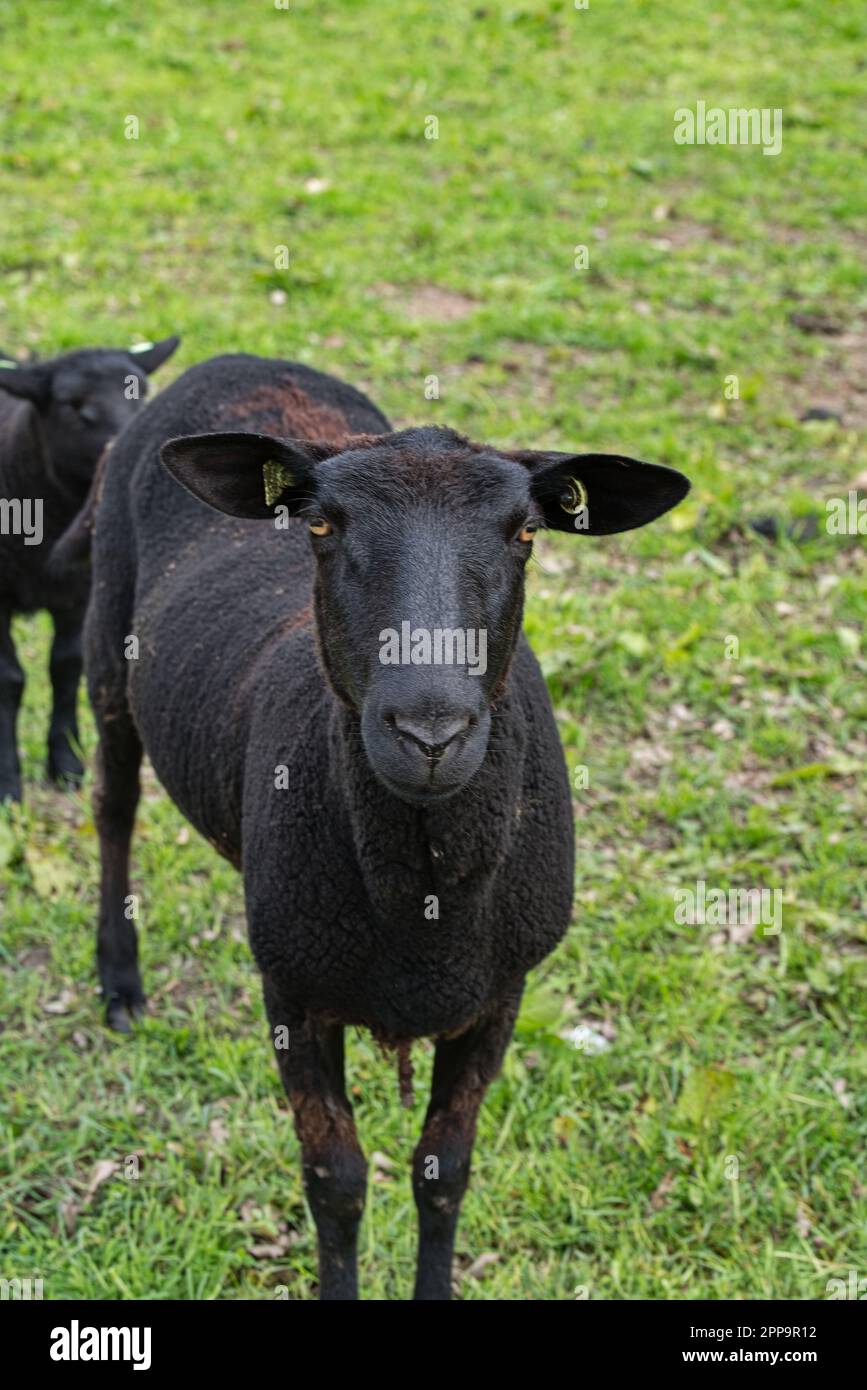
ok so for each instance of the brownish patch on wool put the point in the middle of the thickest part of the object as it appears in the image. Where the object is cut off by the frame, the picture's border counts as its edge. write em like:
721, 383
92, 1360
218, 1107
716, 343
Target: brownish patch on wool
366, 441
322, 1125
420, 464
301, 619
288, 412
99, 473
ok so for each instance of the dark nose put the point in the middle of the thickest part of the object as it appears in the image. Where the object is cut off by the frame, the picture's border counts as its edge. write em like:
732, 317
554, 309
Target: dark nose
433, 736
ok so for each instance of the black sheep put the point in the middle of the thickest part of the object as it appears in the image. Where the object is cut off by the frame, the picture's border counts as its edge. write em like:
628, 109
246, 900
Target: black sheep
404, 830
56, 418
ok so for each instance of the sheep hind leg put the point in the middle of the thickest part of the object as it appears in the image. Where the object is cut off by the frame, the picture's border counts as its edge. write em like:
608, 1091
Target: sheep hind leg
115, 799
311, 1063
464, 1067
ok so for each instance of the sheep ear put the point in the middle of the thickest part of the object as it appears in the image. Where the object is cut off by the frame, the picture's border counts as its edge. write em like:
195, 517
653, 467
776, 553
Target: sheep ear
30, 383
244, 474
600, 494
149, 356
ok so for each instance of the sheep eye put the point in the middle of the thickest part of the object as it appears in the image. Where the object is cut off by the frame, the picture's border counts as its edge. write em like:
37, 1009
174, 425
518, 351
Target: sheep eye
319, 526
526, 533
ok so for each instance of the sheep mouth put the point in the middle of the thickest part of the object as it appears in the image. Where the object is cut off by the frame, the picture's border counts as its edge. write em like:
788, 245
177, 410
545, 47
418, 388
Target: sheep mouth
420, 797
423, 753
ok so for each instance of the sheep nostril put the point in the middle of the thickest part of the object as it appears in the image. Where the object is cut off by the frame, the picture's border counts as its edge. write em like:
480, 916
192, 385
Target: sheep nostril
434, 736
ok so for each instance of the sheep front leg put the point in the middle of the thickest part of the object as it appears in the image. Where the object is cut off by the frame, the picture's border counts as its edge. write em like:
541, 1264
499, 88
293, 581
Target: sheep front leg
115, 798
64, 764
464, 1067
11, 690
310, 1057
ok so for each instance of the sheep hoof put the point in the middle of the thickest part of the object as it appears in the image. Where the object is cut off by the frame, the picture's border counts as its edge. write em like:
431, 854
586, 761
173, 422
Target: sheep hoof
65, 771
120, 1014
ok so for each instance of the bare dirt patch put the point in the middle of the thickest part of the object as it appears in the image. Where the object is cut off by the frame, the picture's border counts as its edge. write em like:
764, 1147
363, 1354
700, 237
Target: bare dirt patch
839, 382
671, 230
530, 370
677, 233
427, 303
34, 958
815, 238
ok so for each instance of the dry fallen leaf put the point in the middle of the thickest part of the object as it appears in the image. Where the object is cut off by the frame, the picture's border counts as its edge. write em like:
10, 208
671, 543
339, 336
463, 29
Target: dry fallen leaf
218, 1131
61, 1005
659, 1196
479, 1266
841, 1093
383, 1167
102, 1171
723, 728
803, 1220
69, 1215
270, 1250
265, 1252
739, 933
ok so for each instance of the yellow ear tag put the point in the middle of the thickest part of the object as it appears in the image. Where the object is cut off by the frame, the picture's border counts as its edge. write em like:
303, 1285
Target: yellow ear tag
574, 499
277, 478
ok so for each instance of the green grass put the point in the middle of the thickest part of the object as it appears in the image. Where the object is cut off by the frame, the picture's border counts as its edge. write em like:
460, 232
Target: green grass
454, 257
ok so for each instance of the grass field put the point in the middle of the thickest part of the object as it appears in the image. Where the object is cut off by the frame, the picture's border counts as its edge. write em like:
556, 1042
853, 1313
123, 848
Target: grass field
165, 1165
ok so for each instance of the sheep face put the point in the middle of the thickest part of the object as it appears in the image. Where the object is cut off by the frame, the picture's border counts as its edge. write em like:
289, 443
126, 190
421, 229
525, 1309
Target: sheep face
421, 541
82, 400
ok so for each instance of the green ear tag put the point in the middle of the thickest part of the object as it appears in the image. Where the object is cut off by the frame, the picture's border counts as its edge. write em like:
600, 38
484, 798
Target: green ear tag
276, 478
574, 499
8, 365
